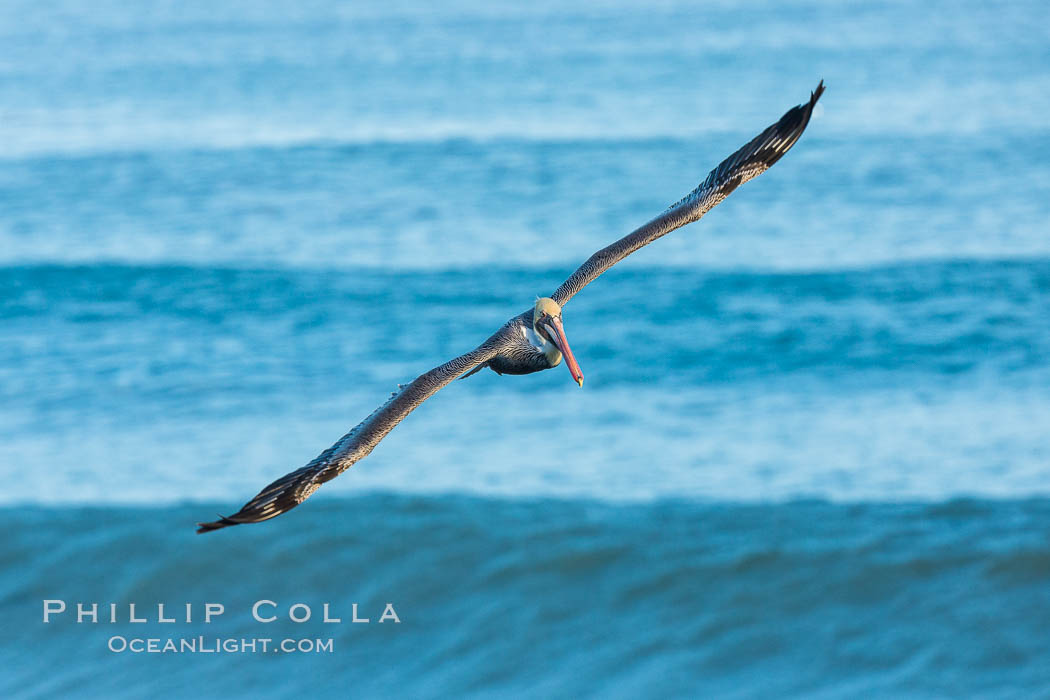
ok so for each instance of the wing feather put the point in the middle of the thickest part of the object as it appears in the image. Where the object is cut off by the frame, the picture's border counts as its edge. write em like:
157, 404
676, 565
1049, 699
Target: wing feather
292, 489
751, 160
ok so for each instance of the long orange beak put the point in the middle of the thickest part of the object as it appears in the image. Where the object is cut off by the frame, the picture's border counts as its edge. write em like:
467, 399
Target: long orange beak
557, 332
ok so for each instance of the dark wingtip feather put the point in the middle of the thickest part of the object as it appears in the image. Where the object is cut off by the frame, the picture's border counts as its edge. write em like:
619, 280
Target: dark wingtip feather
807, 109
815, 95
222, 522
796, 119
765, 149
277, 498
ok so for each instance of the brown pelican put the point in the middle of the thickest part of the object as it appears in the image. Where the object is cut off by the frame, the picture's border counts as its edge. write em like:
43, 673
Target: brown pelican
531, 341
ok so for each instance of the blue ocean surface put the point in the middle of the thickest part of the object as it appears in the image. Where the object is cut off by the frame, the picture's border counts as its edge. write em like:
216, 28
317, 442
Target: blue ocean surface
811, 456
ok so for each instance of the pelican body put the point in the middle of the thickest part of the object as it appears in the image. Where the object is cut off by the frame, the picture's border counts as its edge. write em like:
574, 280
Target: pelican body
533, 340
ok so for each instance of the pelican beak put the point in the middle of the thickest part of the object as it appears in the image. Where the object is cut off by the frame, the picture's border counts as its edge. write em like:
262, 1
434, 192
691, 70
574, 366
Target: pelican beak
557, 333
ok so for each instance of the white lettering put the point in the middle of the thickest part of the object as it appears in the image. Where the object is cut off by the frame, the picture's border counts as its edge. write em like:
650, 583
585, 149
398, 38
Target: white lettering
213, 610
291, 612
53, 607
326, 615
131, 615
255, 610
390, 614
83, 612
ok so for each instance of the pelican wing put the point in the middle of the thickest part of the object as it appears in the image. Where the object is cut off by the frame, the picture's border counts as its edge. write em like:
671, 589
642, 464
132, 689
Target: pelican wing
294, 488
750, 161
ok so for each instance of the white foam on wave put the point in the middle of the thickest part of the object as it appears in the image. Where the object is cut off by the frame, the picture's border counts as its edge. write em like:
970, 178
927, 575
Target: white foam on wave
944, 110
741, 444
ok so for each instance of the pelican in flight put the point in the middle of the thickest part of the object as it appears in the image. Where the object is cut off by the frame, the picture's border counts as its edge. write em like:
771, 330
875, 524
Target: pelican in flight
531, 341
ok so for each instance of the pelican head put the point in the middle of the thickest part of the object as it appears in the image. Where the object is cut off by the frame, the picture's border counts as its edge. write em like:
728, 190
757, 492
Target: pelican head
546, 323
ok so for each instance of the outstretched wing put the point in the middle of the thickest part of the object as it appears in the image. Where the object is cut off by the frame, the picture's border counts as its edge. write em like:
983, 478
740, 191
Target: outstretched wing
294, 488
751, 160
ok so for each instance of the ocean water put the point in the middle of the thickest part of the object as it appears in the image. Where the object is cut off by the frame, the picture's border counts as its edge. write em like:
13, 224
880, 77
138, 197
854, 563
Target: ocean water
811, 456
